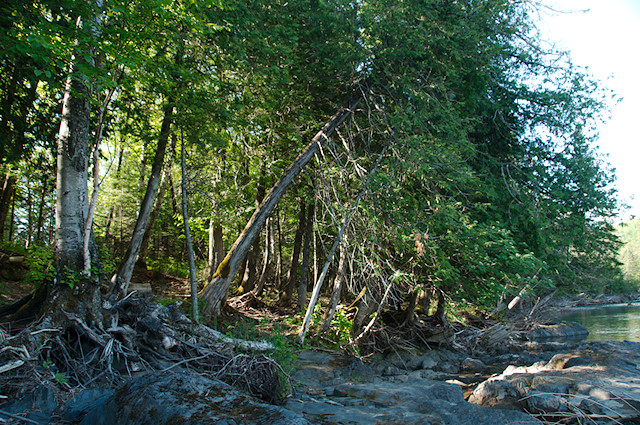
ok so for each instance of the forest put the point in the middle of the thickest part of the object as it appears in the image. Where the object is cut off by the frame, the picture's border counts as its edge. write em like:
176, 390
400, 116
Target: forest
408, 156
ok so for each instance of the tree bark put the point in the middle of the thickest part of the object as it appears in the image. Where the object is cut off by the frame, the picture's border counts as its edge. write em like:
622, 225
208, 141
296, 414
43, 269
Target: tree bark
211, 253
5, 200
71, 186
121, 279
13, 214
72, 203
277, 247
218, 246
111, 216
88, 225
28, 239
215, 291
251, 269
306, 258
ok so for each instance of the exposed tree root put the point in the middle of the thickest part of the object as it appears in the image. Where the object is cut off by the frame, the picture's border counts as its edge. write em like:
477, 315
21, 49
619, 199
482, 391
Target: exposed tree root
140, 337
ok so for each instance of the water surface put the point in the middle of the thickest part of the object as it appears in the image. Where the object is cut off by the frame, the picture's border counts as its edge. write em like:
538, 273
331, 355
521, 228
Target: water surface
616, 322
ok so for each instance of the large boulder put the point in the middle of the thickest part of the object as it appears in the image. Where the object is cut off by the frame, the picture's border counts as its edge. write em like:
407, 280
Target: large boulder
180, 398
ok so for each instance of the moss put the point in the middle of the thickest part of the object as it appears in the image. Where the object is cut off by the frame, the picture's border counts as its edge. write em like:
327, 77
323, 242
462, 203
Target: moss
223, 268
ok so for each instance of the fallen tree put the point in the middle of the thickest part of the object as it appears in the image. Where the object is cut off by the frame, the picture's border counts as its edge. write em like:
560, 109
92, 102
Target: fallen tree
214, 293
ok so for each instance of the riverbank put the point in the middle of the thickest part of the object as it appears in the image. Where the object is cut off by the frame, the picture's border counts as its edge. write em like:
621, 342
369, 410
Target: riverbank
524, 381
587, 300
511, 377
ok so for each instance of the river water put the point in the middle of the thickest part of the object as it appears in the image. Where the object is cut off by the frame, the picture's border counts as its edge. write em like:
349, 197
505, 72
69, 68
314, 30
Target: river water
616, 322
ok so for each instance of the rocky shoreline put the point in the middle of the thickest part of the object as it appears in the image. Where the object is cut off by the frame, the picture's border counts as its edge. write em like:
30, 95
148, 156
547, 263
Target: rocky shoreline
542, 382
528, 378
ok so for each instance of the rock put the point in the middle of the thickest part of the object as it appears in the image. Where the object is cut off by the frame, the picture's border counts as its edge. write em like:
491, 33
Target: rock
180, 397
398, 399
91, 400
37, 405
598, 378
416, 402
559, 331
391, 371
471, 365
539, 402
428, 360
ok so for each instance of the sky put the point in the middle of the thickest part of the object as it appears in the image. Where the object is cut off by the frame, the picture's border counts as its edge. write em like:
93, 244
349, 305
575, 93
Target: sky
604, 35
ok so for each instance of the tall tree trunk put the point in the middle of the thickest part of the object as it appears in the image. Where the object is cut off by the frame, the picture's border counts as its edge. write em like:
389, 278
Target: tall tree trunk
13, 214
142, 175
211, 253
266, 258
187, 232
111, 216
40, 222
218, 246
215, 291
27, 241
251, 270
278, 251
72, 201
306, 258
174, 197
144, 246
88, 225
287, 293
5, 200
71, 186
121, 280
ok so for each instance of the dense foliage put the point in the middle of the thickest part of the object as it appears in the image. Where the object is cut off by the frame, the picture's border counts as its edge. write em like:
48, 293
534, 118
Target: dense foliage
469, 166
629, 255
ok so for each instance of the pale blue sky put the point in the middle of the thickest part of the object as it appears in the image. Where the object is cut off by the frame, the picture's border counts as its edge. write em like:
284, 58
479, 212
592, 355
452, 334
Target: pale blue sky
604, 35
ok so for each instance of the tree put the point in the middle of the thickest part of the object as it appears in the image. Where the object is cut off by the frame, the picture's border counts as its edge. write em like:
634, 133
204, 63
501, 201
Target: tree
215, 291
72, 200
